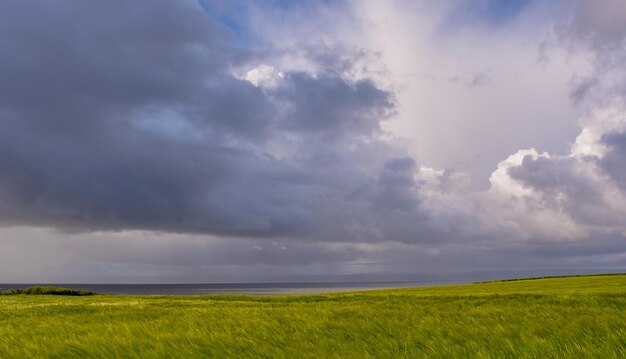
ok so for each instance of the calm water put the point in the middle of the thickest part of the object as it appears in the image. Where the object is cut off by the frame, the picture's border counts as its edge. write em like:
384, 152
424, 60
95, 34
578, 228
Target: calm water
234, 288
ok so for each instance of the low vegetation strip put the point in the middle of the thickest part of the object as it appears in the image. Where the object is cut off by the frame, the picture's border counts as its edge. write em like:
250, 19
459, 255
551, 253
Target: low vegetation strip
574, 317
46, 290
549, 277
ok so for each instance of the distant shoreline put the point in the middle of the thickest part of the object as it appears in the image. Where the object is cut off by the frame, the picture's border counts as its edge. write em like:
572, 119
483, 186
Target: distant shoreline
236, 288
285, 288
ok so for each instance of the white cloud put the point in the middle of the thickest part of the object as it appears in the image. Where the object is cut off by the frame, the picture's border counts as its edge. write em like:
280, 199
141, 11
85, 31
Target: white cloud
263, 76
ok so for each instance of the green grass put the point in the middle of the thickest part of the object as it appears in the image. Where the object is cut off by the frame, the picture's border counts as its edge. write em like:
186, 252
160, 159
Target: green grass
573, 317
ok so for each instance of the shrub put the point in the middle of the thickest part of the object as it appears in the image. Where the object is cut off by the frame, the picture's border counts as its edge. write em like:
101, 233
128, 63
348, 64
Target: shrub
39, 290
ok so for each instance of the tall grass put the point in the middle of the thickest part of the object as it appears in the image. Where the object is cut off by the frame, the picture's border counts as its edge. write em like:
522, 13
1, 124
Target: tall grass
579, 317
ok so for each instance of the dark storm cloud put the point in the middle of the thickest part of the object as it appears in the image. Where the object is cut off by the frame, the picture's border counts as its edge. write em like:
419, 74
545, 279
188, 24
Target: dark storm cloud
127, 116
89, 56
329, 105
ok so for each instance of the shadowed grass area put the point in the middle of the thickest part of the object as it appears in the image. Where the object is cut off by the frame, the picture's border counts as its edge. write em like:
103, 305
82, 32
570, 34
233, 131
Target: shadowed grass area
569, 317
45, 290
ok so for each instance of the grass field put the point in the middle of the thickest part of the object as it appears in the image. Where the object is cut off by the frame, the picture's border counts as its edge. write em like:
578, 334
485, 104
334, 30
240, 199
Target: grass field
572, 317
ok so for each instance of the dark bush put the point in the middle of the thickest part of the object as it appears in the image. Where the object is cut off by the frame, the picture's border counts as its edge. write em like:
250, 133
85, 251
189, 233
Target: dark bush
38, 290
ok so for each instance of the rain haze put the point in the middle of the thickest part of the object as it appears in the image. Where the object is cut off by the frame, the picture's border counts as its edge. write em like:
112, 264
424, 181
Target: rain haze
160, 141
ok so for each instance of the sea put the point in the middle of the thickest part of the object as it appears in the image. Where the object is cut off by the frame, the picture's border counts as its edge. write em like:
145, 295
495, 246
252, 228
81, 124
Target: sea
233, 288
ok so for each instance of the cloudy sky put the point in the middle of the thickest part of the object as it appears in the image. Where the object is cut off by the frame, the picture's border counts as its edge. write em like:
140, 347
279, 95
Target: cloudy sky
207, 141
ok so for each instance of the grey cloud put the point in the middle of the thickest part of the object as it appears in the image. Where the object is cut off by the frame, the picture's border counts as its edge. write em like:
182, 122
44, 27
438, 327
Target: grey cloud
136, 122
614, 161
476, 80
602, 22
332, 107
396, 187
493, 13
197, 251
65, 55
580, 88
402, 164
598, 27
137, 256
583, 186
565, 186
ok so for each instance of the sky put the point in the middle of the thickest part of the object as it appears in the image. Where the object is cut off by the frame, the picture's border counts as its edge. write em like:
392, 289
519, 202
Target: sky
174, 141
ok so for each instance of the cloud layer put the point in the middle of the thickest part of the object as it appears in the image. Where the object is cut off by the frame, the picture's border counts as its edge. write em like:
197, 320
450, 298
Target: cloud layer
170, 137
141, 123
